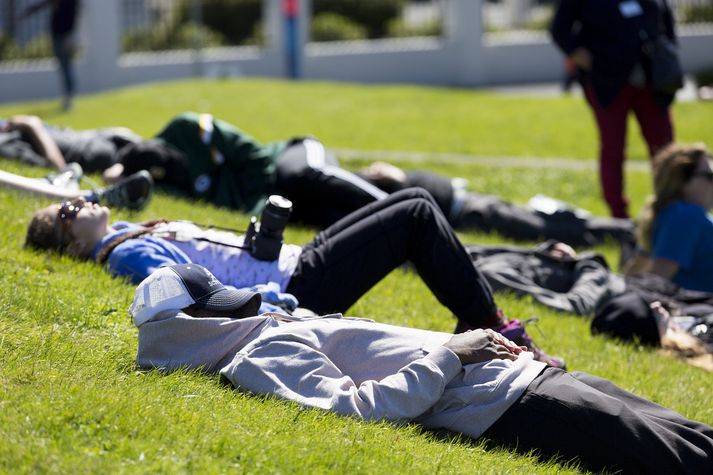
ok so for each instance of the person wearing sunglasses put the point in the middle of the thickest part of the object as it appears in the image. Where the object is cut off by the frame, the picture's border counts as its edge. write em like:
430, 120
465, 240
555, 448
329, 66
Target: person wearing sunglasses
327, 275
79, 224
676, 228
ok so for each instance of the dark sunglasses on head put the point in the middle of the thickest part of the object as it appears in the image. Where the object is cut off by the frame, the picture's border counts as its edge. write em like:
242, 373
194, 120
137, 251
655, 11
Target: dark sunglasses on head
708, 175
67, 213
69, 210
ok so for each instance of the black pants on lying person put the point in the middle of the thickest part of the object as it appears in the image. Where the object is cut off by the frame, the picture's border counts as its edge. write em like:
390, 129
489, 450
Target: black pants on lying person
347, 259
578, 415
321, 191
468, 210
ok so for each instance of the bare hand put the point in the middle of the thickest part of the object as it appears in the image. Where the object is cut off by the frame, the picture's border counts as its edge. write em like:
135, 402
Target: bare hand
22, 123
477, 346
382, 172
582, 58
560, 250
113, 173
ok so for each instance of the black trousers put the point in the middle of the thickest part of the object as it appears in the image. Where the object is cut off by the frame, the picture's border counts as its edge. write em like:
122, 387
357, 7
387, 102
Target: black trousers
489, 213
590, 418
347, 259
321, 192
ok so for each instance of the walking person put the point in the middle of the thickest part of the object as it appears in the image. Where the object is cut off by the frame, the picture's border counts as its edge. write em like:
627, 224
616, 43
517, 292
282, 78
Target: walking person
608, 41
63, 22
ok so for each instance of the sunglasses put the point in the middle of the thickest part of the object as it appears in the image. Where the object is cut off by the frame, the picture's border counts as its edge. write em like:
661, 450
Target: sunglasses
69, 210
67, 213
708, 175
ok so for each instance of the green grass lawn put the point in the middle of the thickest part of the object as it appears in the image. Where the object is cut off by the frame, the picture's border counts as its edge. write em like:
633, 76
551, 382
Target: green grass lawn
70, 397
372, 117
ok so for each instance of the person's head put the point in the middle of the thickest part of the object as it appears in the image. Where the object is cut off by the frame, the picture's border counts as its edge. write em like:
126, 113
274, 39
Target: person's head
74, 227
628, 317
167, 165
193, 289
681, 173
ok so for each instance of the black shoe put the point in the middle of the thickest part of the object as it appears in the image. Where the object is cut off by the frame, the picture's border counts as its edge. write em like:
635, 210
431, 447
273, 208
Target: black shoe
514, 330
132, 192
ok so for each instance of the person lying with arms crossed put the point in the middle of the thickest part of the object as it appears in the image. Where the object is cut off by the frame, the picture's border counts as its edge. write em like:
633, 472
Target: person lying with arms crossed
477, 383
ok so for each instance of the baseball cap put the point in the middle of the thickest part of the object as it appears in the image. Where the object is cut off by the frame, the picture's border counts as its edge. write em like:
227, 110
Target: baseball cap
189, 285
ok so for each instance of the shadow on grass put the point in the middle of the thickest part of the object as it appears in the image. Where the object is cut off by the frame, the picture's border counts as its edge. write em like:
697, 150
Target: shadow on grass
489, 445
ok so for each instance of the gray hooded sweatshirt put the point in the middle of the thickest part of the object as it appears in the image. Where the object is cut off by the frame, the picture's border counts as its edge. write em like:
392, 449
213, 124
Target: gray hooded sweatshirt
350, 366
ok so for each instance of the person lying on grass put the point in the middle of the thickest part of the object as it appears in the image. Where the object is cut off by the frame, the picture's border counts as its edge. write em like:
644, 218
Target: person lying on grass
647, 308
477, 383
327, 275
681, 330
213, 160
542, 218
28, 138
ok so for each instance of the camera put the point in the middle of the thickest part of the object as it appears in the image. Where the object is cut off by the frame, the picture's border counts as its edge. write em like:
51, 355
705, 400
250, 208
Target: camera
264, 238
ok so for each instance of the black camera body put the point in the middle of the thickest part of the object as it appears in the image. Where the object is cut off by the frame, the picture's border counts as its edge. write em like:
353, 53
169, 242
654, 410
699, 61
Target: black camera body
264, 238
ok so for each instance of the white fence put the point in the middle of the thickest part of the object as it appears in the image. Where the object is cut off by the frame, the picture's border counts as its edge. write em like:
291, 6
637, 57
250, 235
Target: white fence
464, 55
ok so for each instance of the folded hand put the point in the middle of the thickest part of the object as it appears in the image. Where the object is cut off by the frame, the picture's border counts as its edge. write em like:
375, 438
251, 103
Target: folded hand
476, 346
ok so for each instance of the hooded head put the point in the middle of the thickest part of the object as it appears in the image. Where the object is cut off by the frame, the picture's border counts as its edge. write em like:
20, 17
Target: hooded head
188, 319
193, 289
167, 165
627, 317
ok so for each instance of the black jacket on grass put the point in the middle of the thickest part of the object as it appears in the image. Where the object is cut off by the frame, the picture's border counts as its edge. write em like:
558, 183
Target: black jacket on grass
620, 306
574, 285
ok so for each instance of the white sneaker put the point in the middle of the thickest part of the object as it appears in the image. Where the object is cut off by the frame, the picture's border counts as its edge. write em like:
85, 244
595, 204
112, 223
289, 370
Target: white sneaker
68, 177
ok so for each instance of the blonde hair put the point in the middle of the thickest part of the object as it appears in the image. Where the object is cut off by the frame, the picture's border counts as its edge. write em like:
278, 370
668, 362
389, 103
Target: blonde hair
673, 167
42, 232
691, 349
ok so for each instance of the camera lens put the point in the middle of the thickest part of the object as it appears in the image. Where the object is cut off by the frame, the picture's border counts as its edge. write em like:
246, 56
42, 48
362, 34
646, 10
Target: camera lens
279, 205
275, 215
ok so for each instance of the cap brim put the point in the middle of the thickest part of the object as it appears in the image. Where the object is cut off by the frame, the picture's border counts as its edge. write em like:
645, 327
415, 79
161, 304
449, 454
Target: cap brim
231, 300
160, 292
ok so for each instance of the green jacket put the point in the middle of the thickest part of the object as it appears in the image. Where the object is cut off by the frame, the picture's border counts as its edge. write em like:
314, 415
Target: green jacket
225, 165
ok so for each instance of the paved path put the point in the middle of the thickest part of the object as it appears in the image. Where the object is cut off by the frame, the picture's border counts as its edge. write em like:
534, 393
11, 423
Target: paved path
457, 158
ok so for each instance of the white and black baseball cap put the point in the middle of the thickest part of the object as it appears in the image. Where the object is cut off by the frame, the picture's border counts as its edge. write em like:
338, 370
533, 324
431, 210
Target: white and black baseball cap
189, 285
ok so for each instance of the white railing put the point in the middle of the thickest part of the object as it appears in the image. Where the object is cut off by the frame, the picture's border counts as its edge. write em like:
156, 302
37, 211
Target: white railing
463, 54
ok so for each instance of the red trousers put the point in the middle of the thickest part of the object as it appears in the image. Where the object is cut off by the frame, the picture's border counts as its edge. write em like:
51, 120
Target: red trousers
656, 128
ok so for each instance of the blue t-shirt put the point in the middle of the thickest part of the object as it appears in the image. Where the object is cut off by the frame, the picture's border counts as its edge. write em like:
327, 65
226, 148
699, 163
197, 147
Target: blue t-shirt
138, 258
683, 233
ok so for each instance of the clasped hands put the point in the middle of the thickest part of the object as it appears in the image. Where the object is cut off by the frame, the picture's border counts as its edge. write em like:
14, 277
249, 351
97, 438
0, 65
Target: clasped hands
477, 346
